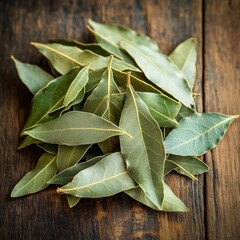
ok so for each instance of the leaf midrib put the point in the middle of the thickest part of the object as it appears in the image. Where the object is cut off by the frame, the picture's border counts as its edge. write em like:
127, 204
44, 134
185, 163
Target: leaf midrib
174, 86
35, 176
92, 184
201, 135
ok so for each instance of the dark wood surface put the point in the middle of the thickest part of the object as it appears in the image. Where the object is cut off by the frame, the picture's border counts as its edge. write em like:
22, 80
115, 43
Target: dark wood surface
214, 200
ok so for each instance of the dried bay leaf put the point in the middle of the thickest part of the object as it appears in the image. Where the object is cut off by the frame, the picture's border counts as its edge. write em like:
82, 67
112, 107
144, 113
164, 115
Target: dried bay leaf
197, 134
93, 47
49, 99
109, 35
27, 141
64, 58
49, 148
158, 69
36, 180
137, 83
162, 108
68, 156
171, 202
144, 153
106, 178
102, 103
184, 112
32, 76
187, 165
67, 175
185, 58
75, 128
72, 200
76, 86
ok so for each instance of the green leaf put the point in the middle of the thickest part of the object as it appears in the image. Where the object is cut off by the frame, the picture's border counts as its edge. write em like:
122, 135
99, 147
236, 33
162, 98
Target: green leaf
76, 86
109, 35
184, 112
144, 153
64, 58
187, 165
197, 134
75, 128
162, 108
69, 155
185, 58
94, 78
107, 177
137, 83
27, 141
102, 103
49, 148
72, 200
159, 70
36, 180
32, 76
49, 99
171, 203
93, 47
67, 175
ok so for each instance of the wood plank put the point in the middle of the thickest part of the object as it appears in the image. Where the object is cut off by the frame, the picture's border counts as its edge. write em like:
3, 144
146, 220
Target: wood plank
222, 87
46, 214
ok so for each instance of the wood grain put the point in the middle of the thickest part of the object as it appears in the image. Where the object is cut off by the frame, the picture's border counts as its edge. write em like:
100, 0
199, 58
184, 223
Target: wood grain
221, 88
46, 215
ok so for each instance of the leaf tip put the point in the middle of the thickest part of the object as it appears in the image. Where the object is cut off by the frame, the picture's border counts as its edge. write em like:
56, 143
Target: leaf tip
14, 193
13, 58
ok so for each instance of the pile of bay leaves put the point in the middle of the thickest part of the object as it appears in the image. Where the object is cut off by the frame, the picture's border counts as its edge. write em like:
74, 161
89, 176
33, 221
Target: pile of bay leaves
116, 116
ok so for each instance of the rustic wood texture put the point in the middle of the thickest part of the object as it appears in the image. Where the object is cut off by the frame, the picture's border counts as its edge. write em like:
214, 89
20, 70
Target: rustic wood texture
214, 200
221, 94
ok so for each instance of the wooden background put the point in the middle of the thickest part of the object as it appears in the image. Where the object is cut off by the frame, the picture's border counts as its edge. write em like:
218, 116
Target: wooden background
214, 200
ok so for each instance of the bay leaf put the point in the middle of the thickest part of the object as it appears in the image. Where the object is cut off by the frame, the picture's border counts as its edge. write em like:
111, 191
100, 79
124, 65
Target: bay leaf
138, 84
197, 134
75, 128
185, 165
185, 58
184, 112
76, 86
159, 70
49, 148
106, 178
49, 99
102, 103
34, 77
67, 174
27, 141
68, 156
144, 153
171, 202
72, 200
36, 179
93, 47
109, 35
94, 78
64, 58
162, 108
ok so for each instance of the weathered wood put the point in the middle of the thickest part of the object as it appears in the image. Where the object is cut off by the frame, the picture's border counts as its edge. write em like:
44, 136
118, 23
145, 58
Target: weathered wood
221, 88
46, 215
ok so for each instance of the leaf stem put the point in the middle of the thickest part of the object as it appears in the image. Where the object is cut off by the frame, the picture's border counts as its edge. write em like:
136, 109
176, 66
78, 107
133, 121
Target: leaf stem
128, 79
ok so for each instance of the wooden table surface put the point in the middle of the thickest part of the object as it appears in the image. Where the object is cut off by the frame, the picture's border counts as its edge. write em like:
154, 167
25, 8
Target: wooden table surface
214, 200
